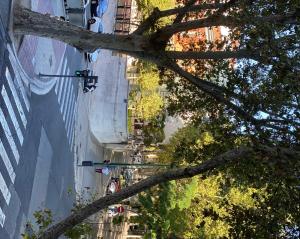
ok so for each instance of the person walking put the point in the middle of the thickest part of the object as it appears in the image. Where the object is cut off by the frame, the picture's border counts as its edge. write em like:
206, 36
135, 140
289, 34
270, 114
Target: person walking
104, 170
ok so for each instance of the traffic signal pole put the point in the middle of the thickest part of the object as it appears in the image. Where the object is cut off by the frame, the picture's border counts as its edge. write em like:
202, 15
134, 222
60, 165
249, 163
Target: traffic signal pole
135, 165
59, 76
72, 76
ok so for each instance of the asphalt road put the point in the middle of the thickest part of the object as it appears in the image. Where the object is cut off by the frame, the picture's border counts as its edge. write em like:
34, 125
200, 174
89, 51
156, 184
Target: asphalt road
36, 144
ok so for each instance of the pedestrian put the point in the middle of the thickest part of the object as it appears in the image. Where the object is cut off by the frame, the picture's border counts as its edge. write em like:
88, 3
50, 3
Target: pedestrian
104, 170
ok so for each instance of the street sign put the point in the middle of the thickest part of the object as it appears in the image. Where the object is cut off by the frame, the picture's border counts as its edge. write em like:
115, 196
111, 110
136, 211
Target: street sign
87, 163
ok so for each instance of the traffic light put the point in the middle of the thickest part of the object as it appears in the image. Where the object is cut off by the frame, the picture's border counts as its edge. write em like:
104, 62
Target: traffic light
83, 73
79, 73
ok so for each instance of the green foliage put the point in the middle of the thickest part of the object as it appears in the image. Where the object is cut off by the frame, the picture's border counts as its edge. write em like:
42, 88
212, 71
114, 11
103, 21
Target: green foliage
147, 6
118, 220
154, 131
149, 80
267, 88
149, 106
78, 231
147, 101
255, 198
44, 219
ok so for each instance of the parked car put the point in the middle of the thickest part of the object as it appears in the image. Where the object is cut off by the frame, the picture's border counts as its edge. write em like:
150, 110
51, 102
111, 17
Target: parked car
96, 26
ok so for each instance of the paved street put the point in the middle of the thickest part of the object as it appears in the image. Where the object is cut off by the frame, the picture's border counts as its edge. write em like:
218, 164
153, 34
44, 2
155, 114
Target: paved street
37, 141
45, 123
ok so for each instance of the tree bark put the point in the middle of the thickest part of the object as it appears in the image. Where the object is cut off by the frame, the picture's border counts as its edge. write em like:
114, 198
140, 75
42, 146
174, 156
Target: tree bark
180, 16
32, 23
229, 157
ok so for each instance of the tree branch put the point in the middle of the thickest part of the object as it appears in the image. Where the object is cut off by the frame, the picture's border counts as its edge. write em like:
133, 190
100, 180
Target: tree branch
213, 55
102, 203
148, 22
219, 161
180, 16
216, 92
168, 31
157, 14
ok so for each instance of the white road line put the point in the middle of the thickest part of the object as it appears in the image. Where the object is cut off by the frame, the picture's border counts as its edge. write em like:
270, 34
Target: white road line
72, 125
9, 136
62, 104
18, 77
72, 138
15, 96
59, 81
2, 217
12, 115
69, 118
68, 104
62, 86
4, 189
7, 163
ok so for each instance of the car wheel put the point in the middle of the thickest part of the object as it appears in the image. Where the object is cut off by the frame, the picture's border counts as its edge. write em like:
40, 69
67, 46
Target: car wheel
91, 21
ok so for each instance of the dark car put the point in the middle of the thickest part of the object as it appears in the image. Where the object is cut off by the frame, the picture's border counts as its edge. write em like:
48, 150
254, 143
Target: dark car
94, 5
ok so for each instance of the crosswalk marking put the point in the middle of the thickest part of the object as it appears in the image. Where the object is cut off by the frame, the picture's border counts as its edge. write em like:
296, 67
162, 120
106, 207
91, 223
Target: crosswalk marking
18, 77
72, 123
59, 81
7, 163
64, 96
4, 189
9, 136
68, 103
62, 86
12, 115
15, 97
2, 218
64, 90
69, 119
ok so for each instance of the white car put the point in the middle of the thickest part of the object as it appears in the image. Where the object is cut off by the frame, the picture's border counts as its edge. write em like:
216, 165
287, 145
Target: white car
94, 25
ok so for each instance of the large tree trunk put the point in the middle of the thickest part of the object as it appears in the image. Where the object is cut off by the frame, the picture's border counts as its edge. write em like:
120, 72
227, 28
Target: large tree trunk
33, 23
143, 47
229, 157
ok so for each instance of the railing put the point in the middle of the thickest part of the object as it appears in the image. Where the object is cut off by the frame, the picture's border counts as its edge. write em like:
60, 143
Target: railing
123, 15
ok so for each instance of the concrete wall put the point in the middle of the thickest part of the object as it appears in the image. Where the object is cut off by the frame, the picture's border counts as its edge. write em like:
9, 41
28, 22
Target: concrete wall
108, 105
